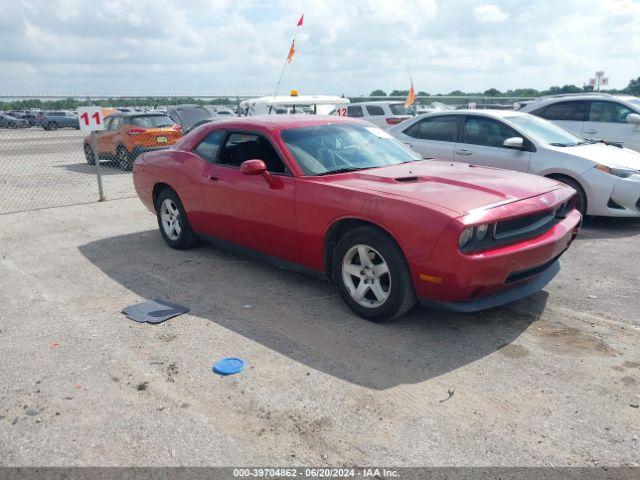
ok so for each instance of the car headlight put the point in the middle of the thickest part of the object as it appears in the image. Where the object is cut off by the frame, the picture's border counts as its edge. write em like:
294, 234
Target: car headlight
465, 236
473, 235
618, 172
481, 232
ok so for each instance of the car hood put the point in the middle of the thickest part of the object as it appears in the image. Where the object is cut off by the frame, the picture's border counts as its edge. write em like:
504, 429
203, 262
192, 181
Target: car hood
604, 154
454, 187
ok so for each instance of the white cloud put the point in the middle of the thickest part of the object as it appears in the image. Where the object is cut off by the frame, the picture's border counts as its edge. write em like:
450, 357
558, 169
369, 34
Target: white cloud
238, 47
489, 14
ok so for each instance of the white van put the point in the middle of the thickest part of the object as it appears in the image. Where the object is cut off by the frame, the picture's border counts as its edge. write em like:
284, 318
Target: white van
381, 113
291, 105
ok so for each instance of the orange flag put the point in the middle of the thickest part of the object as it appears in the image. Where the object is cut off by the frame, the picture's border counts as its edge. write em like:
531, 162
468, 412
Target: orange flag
292, 50
411, 98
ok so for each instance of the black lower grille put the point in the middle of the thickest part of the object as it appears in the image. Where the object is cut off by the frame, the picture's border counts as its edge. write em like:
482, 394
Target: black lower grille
524, 274
613, 204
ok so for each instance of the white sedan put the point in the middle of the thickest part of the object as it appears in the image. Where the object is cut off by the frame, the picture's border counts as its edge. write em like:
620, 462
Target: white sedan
606, 177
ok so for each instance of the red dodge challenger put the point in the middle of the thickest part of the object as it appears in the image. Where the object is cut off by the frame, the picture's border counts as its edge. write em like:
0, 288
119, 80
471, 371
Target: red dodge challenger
343, 199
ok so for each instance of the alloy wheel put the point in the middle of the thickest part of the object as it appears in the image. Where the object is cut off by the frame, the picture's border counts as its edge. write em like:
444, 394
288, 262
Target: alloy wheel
366, 275
170, 217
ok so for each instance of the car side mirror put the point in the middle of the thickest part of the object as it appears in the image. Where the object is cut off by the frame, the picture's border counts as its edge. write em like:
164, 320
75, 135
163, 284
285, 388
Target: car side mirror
253, 167
514, 142
258, 167
633, 118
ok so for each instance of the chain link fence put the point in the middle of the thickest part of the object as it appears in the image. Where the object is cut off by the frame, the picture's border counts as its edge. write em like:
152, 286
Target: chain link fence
43, 157
43, 154
47, 168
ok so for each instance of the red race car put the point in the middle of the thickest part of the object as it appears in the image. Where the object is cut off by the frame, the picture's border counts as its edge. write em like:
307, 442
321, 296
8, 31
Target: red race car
343, 199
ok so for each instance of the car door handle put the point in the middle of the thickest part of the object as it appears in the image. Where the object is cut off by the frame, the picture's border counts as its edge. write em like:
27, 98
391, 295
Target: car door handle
213, 179
591, 131
464, 152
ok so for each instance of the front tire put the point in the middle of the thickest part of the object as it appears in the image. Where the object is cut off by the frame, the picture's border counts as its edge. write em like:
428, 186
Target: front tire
173, 222
372, 275
88, 154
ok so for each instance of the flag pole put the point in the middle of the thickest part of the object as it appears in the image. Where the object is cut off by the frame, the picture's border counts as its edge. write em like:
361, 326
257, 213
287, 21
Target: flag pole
409, 71
287, 59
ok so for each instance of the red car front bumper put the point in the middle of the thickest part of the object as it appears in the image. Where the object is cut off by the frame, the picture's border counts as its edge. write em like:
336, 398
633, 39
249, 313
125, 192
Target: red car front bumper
471, 282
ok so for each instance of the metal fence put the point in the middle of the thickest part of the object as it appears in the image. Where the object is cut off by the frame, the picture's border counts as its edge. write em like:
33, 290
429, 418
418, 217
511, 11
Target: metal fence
47, 168
43, 167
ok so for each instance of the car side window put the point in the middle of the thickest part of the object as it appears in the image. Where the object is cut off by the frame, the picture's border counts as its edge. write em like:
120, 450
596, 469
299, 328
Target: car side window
442, 128
115, 123
210, 146
573, 111
486, 131
355, 111
609, 112
375, 110
241, 147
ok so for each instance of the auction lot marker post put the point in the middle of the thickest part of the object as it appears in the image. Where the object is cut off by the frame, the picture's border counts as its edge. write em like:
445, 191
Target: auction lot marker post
92, 120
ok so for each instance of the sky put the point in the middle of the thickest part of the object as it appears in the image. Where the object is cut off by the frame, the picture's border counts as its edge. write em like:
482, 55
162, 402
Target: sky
238, 47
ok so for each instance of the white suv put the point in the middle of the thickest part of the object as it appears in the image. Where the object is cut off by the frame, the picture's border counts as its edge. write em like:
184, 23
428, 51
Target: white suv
614, 118
383, 113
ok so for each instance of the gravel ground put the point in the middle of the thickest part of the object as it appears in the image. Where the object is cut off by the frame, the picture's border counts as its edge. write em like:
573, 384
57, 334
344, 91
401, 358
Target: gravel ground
550, 380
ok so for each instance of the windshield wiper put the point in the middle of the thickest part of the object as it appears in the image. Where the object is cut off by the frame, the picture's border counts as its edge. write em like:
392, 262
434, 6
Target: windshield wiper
342, 170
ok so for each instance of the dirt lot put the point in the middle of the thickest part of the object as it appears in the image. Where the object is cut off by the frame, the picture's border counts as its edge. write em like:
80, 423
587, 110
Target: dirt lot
41, 169
551, 380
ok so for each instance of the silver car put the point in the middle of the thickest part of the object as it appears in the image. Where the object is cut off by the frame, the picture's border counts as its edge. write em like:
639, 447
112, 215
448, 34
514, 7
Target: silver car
615, 118
606, 177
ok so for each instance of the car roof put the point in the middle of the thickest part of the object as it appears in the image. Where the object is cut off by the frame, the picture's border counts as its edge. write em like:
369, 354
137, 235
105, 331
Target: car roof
136, 114
377, 102
281, 122
487, 112
578, 96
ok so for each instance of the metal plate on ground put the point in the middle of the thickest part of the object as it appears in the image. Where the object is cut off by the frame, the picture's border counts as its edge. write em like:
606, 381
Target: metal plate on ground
153, 311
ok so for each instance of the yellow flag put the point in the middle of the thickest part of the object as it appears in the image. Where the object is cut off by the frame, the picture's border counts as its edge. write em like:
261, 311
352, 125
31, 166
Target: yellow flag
292, 50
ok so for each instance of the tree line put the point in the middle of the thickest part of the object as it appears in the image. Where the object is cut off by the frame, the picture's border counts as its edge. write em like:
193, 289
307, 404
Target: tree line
632, 89
71, 103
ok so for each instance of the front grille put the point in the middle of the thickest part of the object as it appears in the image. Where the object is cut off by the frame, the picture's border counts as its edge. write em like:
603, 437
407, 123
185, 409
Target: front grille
522, 224
522, 228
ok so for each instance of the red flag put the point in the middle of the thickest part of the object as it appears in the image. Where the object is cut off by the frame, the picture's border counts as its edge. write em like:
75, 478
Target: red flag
301, 20
292, 50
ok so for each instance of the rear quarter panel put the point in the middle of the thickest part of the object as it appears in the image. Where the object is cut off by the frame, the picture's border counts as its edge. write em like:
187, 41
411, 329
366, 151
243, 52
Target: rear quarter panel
182, 171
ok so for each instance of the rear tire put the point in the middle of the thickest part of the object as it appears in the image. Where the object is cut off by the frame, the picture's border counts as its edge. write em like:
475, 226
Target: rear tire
581, 197
377, 287
173, 222
124, 159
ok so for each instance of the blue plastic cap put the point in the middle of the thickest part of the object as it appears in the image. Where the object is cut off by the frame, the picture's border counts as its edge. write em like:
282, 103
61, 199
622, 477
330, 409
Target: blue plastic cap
229, 366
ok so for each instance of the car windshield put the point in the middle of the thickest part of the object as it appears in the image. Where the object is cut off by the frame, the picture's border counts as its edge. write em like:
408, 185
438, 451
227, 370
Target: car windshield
325, 149
153, 121
634, 101
399, 109
545, 131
